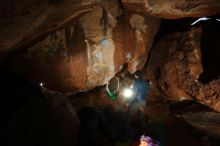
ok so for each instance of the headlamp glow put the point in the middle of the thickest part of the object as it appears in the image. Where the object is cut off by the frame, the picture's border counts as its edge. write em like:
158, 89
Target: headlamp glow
41, 84
127, 93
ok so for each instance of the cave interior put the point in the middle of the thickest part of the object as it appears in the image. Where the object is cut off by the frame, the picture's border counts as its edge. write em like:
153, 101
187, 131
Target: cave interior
65, 66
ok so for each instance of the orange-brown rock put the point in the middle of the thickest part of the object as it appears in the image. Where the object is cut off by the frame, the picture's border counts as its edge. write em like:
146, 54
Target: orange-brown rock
175, 67
88, 52
133, 37
25, 23
174, 9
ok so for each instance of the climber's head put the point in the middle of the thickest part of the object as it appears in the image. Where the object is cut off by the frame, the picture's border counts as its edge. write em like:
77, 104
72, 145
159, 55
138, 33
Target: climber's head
138, 75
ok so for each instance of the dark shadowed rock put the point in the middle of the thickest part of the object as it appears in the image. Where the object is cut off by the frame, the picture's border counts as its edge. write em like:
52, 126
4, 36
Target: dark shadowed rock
208, 122
24, 23
32, 115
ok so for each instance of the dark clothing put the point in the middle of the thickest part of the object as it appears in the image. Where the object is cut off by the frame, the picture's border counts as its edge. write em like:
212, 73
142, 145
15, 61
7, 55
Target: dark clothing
134, 113
140, 88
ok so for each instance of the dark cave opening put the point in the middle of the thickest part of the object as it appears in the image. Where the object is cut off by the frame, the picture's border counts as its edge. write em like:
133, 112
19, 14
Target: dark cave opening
210, 51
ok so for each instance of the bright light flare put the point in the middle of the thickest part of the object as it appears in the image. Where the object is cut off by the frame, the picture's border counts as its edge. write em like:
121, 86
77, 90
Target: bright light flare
200, 19
41, 84
127, 92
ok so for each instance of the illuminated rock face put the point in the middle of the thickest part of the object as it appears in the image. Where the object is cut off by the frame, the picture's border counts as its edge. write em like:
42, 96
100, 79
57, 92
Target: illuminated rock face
133, 37
88, 52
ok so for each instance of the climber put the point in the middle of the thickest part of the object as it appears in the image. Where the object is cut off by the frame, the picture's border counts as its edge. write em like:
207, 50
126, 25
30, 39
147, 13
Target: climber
140, 89
136, 106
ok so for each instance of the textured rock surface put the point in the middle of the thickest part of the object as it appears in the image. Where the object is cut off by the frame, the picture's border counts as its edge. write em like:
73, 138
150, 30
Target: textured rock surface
208, 122
90, 51
175, 67
23, 24
77, 45
171, 9
133, 37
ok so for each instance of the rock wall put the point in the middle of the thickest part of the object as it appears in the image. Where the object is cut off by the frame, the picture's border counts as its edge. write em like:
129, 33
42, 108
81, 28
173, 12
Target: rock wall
88, 52
78, 45
24, 23
175, 67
